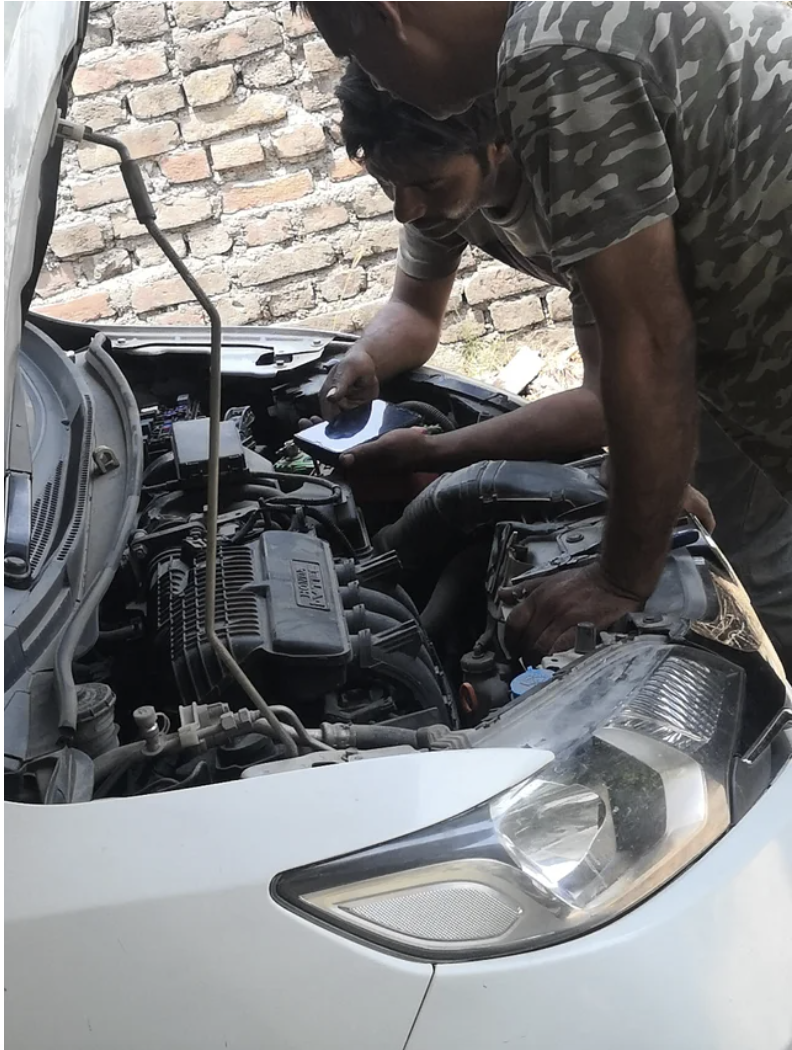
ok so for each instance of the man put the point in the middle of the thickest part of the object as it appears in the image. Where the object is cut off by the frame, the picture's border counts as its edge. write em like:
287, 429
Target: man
454, 183
656, 143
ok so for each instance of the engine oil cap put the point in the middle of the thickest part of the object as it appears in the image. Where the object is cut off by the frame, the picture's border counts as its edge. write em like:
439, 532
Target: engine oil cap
528, 680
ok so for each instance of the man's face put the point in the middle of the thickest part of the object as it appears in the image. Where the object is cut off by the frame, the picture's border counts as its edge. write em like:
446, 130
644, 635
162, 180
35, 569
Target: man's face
433, 191
412, 64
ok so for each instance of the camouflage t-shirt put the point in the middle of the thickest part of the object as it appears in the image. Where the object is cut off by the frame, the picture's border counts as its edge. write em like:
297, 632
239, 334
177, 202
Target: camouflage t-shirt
510, 236
625, 114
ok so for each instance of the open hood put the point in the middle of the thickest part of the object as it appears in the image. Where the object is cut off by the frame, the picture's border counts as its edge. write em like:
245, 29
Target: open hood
41, 47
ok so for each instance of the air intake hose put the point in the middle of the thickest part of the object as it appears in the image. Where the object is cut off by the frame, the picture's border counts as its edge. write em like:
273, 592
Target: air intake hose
453, 507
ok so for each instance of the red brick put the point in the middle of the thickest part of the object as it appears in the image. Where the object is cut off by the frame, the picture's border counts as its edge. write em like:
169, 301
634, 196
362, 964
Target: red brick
80, 238
214, 46
191, 166
370, 201
186, 211
559, 305
270, 71
85, 308
221, 120
319, 58
240, 308
262, 194
518, 313
272, 230
296, 298
295, 143
343, 284
98, 113
156, 99
106, 73
324, 217
240, 153
285, 263
169, 291
56, 279
209, 86
104, 190
186, 316
214, 240
343, 168
498, 282
139, 21
193, 15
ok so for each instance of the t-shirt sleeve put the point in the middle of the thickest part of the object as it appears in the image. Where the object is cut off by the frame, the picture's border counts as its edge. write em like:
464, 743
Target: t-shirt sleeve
427, 257
589, 129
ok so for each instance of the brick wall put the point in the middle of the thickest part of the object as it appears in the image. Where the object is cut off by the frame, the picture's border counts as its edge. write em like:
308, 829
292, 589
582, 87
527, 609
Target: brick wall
229, 107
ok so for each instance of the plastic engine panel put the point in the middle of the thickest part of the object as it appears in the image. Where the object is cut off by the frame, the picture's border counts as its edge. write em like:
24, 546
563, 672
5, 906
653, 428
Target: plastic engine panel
279, 611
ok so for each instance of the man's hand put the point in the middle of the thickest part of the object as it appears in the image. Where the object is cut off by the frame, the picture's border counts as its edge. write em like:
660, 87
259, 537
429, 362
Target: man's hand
352, 383
696, 503
549, 610
401, 451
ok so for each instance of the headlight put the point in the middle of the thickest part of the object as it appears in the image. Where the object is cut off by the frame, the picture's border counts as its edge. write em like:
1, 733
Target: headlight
625, 805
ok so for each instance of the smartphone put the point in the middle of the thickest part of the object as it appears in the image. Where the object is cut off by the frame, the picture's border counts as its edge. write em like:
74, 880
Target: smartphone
326, 442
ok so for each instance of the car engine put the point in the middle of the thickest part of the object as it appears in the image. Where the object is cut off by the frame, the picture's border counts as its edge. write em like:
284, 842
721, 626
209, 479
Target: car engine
368, 625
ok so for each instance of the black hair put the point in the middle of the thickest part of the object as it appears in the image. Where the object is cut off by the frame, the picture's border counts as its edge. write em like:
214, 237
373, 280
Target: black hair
382, 130
332, 20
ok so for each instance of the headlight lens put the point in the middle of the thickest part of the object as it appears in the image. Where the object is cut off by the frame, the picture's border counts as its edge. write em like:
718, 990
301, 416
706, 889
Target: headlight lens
614, 815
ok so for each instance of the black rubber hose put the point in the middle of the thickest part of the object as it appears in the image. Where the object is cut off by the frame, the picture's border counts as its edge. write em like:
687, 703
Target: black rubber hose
401, 595
454, 506
376, 602
362, 737
119, 759
378, 624
429, 414
331, 528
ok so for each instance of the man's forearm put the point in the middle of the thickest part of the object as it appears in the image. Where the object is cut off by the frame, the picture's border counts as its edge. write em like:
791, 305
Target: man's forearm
398, 339
550, 428
651, 405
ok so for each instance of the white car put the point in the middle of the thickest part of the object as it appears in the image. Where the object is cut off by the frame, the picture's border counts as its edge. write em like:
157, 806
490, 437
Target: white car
304, 815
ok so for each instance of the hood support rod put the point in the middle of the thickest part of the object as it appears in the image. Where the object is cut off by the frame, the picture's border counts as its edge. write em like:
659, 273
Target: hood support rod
144, 211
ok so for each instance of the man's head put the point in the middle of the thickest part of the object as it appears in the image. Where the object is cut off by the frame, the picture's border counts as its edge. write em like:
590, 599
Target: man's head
436, 56
433, 170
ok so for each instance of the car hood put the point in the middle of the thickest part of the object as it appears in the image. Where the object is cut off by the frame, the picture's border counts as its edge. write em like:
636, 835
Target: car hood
40, 51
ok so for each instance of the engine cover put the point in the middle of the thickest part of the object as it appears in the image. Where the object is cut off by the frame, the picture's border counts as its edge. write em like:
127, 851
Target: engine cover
278, 610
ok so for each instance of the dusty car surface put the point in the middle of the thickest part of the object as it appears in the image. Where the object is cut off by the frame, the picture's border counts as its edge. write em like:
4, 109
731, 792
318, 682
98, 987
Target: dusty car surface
272, 778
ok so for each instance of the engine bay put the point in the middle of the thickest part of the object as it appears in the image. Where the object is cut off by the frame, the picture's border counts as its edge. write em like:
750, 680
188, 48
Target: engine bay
365, 614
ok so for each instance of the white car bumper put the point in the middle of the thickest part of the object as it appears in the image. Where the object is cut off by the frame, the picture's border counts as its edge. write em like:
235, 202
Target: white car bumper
149, 922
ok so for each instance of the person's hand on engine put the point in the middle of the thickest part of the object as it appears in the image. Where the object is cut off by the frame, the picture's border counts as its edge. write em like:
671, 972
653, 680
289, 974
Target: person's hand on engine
548, 610
351, 383
401, 451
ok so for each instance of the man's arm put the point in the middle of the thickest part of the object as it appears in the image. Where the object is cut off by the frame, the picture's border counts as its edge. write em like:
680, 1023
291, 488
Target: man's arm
648, 385
402, 336
553, 427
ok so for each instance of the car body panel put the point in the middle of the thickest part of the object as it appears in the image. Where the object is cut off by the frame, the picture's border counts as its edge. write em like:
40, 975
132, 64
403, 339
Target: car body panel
702, 965
150, 921
38, 39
